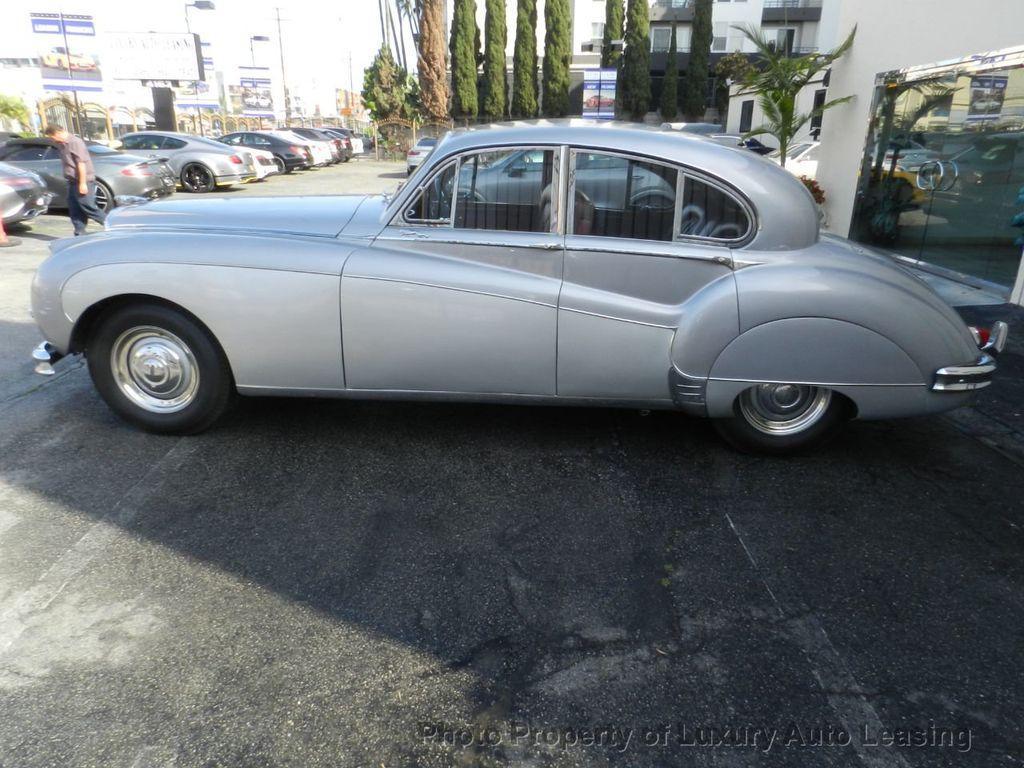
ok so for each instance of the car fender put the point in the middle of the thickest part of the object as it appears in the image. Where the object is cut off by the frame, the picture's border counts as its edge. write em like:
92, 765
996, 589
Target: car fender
279, 327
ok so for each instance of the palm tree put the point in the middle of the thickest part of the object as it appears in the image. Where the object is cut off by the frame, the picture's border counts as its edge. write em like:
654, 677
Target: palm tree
777, 81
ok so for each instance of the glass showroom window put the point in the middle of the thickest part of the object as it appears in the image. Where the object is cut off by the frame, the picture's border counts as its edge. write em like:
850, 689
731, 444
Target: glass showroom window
506, 189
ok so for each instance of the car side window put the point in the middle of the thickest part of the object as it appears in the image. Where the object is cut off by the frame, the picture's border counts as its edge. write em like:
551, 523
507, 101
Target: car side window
711, 213
433, 205
507, 189
616, 196
233, 140
131, 142
172, 143
27, 154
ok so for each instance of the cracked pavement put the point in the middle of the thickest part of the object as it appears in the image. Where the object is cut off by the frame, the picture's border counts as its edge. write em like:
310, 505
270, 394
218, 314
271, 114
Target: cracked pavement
320, 583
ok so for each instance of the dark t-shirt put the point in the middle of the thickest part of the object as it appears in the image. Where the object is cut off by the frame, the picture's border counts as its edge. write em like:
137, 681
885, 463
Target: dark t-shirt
72, 152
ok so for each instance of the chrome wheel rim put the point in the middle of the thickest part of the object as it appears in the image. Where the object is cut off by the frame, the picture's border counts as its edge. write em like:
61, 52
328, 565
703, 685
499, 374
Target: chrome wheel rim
784, 409
155, 369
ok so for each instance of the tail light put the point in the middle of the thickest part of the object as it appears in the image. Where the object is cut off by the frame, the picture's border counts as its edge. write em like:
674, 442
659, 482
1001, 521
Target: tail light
236, 159
981, 335
137, 171
411, 153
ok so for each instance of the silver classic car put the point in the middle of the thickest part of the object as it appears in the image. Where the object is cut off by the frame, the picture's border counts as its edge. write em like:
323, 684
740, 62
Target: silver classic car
546, 262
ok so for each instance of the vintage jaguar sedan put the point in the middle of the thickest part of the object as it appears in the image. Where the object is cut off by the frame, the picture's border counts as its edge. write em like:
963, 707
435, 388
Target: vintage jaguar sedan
545, 262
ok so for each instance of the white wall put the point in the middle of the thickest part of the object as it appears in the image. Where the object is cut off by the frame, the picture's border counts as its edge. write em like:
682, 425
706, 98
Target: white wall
892, 35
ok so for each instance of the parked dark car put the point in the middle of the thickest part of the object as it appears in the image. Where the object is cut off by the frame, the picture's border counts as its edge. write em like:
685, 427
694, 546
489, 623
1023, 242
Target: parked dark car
287, 155
341, 148
118, 174
23, 194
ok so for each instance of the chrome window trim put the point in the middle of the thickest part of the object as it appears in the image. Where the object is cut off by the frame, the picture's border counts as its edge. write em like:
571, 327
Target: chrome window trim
555, 225
683, 172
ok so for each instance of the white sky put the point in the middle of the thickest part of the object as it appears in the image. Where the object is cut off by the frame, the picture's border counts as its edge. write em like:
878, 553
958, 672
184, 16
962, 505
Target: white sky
318, 36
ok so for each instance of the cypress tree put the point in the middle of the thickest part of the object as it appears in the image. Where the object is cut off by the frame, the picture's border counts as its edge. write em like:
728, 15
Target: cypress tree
463, 51
557, 52
635, 77
494, 60
670, 83
612, 31
696, 84
524, 62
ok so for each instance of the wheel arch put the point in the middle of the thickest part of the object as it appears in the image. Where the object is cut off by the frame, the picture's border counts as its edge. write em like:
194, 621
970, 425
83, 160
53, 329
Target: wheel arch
94, 314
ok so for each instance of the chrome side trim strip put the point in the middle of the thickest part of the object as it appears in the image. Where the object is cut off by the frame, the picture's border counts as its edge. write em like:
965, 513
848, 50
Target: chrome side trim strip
620, 319
449, 288
816, 383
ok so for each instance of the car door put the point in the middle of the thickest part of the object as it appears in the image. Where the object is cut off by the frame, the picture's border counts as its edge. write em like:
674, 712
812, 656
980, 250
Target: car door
459, 293
642, 237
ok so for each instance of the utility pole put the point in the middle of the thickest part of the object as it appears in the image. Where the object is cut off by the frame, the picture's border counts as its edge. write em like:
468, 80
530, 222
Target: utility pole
284, 79
76, 124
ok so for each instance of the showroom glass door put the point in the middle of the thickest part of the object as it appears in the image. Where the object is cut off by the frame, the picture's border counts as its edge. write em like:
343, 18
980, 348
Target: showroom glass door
942, 178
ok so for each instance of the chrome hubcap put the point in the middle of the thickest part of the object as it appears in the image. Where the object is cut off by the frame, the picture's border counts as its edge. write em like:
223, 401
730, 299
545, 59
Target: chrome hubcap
784, 409
155, 369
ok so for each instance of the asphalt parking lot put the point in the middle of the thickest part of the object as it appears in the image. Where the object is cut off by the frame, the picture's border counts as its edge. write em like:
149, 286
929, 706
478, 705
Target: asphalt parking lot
319, 583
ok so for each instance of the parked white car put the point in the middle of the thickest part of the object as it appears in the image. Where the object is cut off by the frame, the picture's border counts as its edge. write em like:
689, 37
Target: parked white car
801, 159
321, 150
265, 165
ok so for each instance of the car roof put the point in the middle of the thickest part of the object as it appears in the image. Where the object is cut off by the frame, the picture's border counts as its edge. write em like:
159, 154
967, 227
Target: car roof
787, 217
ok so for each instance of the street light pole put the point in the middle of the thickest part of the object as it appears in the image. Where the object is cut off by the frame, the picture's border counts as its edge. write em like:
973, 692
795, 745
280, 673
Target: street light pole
284, 79
200, 5
71, 76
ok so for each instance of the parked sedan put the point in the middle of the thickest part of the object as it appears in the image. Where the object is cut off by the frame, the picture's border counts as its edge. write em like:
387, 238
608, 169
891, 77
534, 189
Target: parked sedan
355, 141
418, 153
728, 303
200, 164
23, 194
320, 150
118, 174
341, 147
287, 154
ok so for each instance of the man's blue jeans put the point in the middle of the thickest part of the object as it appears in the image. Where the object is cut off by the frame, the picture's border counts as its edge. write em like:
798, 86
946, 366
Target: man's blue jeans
81, 208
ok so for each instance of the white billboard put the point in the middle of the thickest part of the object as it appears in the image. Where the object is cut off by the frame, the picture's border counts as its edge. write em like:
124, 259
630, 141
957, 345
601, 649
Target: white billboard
155, 56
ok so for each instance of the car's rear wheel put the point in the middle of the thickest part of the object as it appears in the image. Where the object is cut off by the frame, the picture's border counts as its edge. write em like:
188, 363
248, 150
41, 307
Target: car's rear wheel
784, 418
196, 177
104, 197
159, 368
281, 166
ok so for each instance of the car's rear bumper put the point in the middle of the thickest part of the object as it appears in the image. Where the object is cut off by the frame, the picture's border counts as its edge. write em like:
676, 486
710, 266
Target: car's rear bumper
977, 374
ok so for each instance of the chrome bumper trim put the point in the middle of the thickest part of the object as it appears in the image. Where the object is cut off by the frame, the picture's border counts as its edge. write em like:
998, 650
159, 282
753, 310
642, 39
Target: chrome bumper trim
998, 334
45, 356
961, 378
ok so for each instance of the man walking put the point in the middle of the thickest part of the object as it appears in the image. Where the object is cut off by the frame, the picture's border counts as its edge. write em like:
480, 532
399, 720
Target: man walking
80, 176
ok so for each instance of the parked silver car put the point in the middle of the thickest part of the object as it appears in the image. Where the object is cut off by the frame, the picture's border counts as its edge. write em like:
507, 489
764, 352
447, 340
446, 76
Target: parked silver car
23, 194
118, 174
649, 271
201, 164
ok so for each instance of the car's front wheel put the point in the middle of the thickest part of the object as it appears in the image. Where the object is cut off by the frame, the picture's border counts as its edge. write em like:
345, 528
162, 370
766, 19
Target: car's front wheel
783, 418
159, 368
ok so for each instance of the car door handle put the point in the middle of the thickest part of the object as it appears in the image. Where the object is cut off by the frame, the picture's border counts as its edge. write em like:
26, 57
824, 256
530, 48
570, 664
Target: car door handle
547, 246
412, 234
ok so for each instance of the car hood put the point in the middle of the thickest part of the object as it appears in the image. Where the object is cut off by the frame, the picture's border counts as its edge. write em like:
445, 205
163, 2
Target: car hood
317, 216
